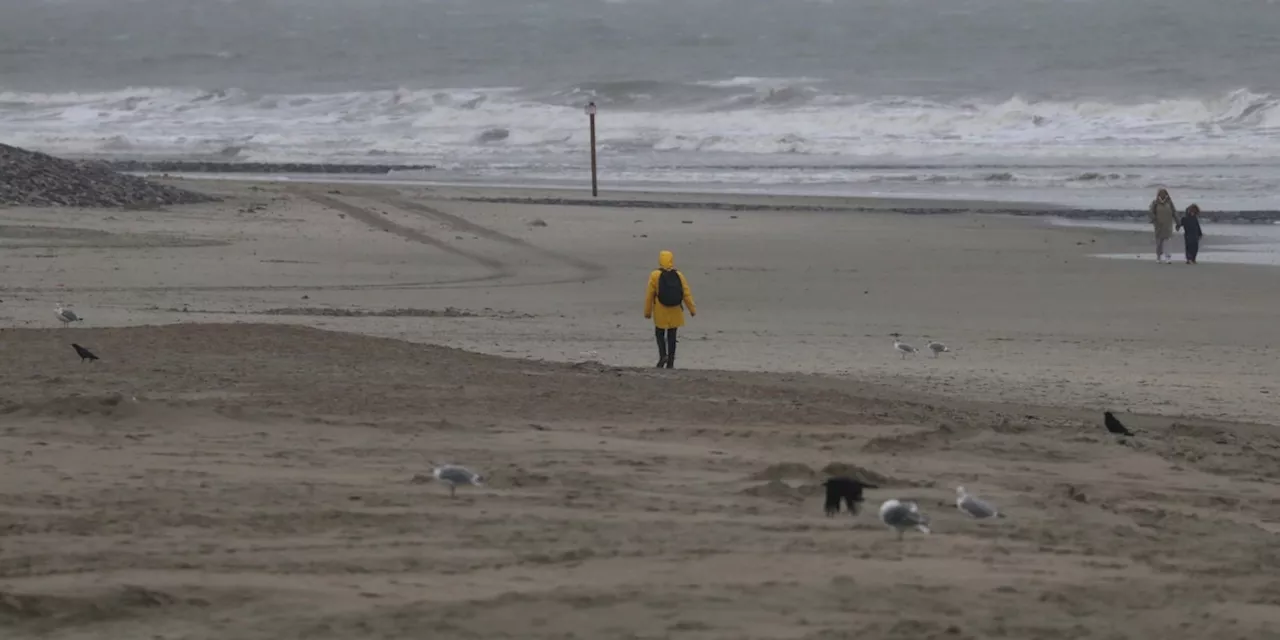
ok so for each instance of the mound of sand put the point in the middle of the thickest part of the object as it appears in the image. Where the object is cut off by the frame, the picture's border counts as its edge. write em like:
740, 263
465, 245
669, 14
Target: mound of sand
447, 312
36, 179
780, 490
512, 476
111, 405
860, 474
297, 517
85, 608
780, 472
785, 471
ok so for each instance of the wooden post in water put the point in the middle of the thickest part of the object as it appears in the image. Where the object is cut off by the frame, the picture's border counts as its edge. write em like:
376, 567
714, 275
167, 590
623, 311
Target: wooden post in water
591, 117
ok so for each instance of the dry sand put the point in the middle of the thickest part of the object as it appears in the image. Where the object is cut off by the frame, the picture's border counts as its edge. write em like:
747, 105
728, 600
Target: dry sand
262, 484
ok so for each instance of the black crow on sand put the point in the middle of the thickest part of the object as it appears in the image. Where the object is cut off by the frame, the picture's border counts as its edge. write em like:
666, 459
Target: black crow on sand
84, 353
1115, 426
844, 488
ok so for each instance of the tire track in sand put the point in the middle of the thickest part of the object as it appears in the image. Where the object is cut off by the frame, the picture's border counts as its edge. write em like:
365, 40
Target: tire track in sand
497, 268
590, 270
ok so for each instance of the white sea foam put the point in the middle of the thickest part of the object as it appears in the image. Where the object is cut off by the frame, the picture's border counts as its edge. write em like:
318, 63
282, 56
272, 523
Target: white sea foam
784, 131
426, 123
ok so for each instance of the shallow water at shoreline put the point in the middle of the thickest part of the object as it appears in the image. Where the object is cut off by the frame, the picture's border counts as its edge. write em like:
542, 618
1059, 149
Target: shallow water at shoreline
1114, 199
1223, 243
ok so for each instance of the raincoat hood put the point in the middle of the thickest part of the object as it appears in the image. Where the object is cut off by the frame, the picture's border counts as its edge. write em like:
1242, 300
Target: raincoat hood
666, 260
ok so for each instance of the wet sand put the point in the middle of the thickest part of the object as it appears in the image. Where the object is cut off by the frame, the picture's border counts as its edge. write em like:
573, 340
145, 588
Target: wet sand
248, 458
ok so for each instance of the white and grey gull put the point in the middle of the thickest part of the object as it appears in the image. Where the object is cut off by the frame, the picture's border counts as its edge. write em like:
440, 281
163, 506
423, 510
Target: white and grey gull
975, 507
67, 316
454, 475
902, 515
937, 347
903, 348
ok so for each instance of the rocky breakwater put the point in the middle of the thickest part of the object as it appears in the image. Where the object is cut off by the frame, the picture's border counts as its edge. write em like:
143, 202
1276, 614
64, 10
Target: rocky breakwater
219, 166
28, 178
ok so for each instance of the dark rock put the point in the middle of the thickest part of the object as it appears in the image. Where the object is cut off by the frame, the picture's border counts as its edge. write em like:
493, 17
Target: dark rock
29, 178
202, 166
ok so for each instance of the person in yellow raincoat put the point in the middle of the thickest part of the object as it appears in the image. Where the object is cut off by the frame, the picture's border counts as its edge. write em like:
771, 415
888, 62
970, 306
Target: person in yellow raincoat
664, 300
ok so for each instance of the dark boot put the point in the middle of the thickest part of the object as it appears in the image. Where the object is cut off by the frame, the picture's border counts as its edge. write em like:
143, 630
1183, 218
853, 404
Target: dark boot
662, 347
671, 348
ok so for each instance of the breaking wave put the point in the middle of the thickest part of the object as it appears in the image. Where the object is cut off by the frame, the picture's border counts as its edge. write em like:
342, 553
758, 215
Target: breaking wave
751, 117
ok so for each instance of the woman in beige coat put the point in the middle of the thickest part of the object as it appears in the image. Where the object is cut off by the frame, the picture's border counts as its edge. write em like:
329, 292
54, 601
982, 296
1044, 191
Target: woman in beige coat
1163, 216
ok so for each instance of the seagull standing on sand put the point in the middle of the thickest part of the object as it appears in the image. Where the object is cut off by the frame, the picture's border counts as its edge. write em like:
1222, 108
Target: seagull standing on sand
937, 347
454, 475
68, 316
974, 507
902, 515
903, 348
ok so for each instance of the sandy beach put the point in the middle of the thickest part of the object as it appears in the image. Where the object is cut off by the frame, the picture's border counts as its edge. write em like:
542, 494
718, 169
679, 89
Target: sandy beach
280, 369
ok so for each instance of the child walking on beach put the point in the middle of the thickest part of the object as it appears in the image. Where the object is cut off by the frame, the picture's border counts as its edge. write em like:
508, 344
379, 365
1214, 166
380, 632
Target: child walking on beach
664, 301
1191, 233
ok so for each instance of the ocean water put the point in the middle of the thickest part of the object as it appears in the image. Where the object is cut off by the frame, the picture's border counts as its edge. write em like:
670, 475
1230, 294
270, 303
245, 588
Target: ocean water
1088, 102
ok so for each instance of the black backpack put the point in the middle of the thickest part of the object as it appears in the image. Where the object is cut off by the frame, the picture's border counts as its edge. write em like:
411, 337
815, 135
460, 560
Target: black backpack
670, 288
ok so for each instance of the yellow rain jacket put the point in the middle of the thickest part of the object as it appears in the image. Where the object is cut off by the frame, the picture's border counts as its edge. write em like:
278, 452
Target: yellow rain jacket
665, 317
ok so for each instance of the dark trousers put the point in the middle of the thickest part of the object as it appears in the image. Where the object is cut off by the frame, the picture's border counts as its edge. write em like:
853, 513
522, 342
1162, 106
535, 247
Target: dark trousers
1193, 247
666, 345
